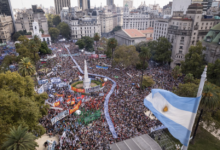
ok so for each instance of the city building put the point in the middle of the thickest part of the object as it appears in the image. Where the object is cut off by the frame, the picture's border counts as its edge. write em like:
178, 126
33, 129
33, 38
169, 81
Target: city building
136, 19
110, 2
149, 33
84, 4
108, 20
37, 32
204, 3
214, 9
59, 4
167, 10
6, 28
212, 44
129, 36
6, 9
160, 28
180, 5
26, 18
187, 30
120, 16
82, 26
129, 3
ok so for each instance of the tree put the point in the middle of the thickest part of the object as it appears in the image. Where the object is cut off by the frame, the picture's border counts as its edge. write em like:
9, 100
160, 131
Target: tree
20, 104
140, 45
54, 33
44, 49
80, 43
49, 20
15, 36
117, 28
64, 29
96, 38
34, 46
112, 43
194, 61
42, 31
126, 56
188, 78
23, 40
144, 57
147, 81
25, 67
213, 72
209, 104
88, 43
176, 72
160, 50
19, 138
56, 20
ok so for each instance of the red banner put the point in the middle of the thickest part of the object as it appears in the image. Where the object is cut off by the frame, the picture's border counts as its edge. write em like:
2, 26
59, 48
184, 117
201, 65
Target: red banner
94, 56
78, 90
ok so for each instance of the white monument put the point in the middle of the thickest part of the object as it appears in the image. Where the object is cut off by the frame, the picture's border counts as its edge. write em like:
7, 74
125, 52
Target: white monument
86, 80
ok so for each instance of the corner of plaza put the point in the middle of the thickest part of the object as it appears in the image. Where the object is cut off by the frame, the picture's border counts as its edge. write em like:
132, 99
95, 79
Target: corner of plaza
109, 75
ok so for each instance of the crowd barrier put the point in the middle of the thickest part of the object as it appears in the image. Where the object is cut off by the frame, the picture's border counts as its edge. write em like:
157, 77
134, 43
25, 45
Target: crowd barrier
107, 116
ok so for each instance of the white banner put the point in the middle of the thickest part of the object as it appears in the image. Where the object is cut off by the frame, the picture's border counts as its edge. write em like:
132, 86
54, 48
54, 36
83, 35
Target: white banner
41, 89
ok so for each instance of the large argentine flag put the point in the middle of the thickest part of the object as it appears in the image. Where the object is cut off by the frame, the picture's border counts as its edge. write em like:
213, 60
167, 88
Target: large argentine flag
176, 113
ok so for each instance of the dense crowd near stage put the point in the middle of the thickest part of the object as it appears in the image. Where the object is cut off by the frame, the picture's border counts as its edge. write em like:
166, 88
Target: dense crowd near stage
126, 107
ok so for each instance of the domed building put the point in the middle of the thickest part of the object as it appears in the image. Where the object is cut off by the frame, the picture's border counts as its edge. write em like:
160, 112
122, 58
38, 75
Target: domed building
212, 43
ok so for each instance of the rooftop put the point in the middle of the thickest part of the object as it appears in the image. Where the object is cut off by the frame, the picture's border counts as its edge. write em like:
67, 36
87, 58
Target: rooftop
133, 33
148, 30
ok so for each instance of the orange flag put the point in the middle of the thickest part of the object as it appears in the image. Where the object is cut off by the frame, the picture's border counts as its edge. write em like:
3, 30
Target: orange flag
56, 104
73, 101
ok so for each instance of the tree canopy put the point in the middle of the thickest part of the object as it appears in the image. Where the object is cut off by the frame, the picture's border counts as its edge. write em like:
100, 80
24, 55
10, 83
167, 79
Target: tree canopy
44, 49
25, 67
147, 81
194, 61
64, 29
80, 43
20, 138
56, 20
54, 33
160, 50
213, 72
88, 43
19, 104
126, 56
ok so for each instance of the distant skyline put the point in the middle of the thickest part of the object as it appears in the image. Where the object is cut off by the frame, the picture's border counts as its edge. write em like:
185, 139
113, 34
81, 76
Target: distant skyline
97, 3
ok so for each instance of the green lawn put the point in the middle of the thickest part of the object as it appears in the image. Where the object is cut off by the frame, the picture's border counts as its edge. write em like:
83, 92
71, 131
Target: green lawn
203, 141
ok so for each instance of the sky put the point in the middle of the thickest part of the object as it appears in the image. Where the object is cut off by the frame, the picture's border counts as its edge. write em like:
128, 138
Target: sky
48, 3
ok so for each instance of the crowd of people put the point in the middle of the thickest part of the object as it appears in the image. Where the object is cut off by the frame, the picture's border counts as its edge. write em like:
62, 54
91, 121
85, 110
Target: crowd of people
126, 107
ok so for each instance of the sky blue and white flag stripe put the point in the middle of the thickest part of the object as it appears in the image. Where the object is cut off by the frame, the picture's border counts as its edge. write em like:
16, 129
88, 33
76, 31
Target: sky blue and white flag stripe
175, 112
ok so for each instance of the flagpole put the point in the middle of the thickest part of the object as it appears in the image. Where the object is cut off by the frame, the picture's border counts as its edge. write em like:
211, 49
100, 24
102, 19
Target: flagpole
199, 93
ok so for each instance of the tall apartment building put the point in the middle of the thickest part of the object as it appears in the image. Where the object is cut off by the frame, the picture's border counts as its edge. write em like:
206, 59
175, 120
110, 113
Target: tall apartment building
129, 3
26, 18
108, 19
59, 4
136, 19
160, 28
204, 3
6, 9
84, 4
187, 30
6, 28
110, 2
167, 10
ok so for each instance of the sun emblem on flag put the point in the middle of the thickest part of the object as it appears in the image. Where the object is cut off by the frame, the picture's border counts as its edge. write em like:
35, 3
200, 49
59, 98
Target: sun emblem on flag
165, 109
